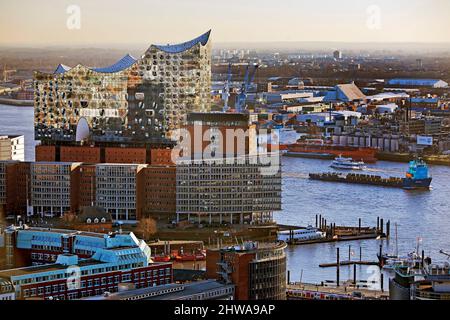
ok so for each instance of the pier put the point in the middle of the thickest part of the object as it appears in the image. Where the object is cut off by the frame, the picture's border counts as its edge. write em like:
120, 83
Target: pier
335, 233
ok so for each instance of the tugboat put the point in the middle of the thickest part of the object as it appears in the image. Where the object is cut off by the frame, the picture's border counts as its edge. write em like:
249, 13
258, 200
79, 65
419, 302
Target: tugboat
417, 176
347, 164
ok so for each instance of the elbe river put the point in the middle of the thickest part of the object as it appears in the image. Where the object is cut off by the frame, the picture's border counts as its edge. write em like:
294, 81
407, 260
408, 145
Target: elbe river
421, 215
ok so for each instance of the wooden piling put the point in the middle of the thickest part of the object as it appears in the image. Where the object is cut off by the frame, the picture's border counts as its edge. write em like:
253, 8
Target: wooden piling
388, 228
354, 274
359, 226
337, 267
381, 226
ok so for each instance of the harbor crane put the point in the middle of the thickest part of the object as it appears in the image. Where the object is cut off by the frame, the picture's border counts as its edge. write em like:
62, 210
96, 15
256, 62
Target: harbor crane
226, 90
6, 72
242, 96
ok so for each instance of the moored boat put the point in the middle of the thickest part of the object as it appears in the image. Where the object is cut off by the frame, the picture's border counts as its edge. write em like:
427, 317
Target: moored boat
319, 147
309, 233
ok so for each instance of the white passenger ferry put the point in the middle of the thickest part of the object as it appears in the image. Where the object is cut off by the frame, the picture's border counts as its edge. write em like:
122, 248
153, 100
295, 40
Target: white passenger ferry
347, 164
310, 233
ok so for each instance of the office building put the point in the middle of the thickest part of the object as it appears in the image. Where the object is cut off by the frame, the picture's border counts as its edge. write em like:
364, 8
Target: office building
51, 188
116, 187
234, 191
101, 262
15, 195
258, 270
12, 148
219, 135
198, 290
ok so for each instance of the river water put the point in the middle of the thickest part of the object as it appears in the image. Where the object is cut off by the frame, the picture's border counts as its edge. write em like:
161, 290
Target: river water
418, 214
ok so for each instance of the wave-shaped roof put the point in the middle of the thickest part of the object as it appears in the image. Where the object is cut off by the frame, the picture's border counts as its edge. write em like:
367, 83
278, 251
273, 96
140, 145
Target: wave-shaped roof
127, 61
124, 63
61, 69
176, 48
120, 65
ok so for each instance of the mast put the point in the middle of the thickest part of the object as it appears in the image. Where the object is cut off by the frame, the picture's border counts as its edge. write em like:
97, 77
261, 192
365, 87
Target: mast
396, 240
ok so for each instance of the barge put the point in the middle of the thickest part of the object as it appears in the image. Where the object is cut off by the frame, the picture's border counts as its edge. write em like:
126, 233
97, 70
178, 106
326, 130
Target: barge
417, 177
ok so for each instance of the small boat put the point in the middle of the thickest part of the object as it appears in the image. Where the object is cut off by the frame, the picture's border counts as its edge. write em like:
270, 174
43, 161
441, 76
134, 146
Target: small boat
161, 258
347, 164
191, 257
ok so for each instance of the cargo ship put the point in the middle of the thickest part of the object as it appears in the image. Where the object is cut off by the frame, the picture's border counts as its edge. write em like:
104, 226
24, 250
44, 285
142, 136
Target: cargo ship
317, 148
417, 177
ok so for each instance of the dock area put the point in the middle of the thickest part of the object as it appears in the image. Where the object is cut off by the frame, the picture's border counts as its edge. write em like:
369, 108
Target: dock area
346, 291
349, 263
335, 233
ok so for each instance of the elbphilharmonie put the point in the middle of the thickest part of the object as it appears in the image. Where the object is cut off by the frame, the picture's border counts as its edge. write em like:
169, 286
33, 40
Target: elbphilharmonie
142, 99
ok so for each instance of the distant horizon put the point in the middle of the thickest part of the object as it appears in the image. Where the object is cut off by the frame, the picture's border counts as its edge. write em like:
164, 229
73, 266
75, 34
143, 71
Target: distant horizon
108, 22
230, 44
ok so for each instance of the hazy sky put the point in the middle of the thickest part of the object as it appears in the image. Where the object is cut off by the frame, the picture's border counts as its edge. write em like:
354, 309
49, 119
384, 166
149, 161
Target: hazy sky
44, 22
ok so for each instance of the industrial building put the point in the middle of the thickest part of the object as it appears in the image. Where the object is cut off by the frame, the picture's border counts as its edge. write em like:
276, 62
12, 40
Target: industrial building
345, 93
43, 262
430, 83
258, 270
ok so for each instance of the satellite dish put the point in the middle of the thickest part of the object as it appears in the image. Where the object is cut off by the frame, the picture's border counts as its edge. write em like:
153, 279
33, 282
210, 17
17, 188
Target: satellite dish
83, 130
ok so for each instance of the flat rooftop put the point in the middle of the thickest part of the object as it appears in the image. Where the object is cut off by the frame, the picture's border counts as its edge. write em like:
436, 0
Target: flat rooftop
65, 231
184, 290
7, 274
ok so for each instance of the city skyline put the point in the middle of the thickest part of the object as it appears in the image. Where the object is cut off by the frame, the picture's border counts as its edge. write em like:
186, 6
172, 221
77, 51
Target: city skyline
99, 22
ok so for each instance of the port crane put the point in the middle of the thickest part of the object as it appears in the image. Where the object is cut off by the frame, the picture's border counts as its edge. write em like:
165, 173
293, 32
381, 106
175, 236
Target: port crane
6, 72
242, 96
226, 90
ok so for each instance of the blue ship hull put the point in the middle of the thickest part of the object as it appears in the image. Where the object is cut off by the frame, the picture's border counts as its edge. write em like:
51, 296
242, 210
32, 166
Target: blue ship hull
409, 183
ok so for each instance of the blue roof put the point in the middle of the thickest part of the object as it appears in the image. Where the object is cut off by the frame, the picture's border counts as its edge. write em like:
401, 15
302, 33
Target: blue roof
120, 65
176, 48
61, 69
414, 81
